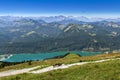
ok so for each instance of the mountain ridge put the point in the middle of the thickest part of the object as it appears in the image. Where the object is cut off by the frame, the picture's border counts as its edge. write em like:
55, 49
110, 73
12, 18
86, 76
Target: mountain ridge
32, 36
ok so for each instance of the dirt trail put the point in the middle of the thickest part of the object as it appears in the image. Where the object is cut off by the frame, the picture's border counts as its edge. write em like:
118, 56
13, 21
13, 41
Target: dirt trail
67, 66
50, 68
15, 72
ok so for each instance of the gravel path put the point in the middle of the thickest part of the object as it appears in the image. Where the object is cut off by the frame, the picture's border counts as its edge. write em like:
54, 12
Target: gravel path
15, 72
66, 66
50, 68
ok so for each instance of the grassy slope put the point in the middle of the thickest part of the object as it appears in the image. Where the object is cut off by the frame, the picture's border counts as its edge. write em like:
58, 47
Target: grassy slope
109, 70
72, 58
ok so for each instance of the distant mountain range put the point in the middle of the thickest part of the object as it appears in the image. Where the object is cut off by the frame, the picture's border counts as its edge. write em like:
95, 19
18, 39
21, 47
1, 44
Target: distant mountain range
58, 33
60, 18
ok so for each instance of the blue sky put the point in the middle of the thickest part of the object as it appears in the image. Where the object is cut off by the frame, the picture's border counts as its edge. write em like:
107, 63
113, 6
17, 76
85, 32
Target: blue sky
96, 8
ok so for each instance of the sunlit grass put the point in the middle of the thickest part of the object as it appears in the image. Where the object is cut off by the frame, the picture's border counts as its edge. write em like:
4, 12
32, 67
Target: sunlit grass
109, 70
71, 58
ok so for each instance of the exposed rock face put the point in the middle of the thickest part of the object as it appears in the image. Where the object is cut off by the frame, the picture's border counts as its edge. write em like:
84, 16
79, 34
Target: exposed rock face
25, 35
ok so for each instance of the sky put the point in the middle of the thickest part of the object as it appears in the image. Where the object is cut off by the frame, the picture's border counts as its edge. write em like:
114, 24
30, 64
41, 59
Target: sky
89, 8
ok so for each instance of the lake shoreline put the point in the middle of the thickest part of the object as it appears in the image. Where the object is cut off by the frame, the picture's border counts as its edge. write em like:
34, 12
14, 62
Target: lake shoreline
44, 56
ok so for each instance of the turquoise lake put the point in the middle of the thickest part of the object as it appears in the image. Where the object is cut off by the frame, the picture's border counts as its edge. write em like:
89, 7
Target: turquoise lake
43, 56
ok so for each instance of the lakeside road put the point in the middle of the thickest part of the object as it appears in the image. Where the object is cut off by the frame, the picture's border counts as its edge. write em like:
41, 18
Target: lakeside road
50, 68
